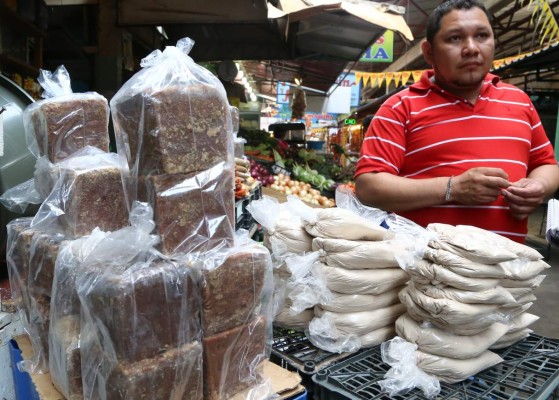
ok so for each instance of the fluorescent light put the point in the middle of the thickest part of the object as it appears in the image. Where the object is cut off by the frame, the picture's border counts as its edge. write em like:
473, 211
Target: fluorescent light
161, 31
265, 96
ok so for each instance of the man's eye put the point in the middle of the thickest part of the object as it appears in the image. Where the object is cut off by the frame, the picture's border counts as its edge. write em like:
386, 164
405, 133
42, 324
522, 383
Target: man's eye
454, 39
483, 35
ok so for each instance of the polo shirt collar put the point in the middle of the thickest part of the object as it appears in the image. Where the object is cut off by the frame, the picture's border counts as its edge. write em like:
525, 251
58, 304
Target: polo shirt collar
425, 83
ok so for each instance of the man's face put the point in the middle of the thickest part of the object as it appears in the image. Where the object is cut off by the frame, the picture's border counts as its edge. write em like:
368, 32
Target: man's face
462, 50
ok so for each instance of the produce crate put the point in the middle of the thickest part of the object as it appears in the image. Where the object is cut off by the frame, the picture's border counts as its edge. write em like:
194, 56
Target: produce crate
243, 219
293, 350
530, 371
24, 388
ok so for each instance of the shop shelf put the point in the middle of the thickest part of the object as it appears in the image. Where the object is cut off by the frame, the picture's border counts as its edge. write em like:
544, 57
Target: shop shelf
530, 370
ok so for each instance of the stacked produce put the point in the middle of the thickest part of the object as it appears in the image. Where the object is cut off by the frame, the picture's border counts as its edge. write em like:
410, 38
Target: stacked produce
358, 263
284, 236
468, 294
79, 180
244, 182
304, 191
337, 264
173, 125
127, 320
236, 318
140, 319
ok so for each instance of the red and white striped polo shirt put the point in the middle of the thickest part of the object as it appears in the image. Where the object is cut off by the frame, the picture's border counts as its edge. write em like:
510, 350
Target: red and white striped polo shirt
425, 132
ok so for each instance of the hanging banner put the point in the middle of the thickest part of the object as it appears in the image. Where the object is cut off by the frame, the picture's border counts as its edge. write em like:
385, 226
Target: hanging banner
358, 76
416, 75
405, 77
381, 50
373, 79
366, 78
380, 78
397, 77
389, 77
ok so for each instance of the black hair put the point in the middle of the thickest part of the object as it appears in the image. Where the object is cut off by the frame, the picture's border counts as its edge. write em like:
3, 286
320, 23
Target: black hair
434, 20
366, 122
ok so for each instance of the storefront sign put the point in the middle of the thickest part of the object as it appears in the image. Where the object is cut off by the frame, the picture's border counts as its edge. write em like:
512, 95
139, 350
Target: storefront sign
381, 50
349, 81
284, 93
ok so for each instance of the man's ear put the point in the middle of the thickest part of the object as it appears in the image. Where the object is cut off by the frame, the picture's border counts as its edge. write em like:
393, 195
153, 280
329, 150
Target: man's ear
427, 50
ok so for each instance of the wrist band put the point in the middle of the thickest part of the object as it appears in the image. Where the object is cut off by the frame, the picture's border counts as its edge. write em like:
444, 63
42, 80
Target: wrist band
448, 190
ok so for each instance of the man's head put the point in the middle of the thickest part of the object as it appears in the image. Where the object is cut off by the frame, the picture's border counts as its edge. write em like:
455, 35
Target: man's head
460, 46
434, 21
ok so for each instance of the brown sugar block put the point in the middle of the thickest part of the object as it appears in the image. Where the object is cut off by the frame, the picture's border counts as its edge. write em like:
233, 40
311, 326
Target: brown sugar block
18, 253
62, 125
232, 291
173, 374
64, 357
231, 360
44, 251
93, 197
193, 212
39, 322
173, 130
145, 309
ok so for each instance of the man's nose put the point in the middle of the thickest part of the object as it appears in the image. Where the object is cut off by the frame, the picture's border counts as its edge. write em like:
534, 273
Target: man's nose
470, 46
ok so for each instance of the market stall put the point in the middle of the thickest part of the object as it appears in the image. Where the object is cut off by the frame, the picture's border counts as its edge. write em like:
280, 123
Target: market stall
141, 267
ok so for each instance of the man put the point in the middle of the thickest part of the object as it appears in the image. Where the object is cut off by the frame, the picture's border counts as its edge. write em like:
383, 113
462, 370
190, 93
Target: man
459, 146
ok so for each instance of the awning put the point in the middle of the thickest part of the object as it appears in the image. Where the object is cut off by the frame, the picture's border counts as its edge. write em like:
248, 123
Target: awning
319, 37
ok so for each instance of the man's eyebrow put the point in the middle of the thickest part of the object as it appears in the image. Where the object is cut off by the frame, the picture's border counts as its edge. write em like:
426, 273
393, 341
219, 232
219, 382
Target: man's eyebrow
461, 29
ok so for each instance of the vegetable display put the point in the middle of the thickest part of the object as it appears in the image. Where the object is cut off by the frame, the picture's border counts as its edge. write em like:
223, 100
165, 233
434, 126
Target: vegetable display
304, 191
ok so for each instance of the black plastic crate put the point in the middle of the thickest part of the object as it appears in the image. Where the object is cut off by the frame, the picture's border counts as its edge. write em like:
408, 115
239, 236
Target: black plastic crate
530, 370
293, 350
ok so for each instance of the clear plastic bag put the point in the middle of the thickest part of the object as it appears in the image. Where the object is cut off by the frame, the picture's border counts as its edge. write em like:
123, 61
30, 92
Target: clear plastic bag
405, 375
322, 332
345, 198
87, 194
337, 223
284, 232
43, 253
65, 122
18, 198
18, 253
185, 122
115, 305
173, 129
307, 285
237, 314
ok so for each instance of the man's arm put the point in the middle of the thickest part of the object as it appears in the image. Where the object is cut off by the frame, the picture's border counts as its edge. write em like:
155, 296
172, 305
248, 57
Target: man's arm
394, 193
528, 193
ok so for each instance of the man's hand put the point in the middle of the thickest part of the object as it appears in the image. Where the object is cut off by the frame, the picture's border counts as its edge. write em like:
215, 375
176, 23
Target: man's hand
524, 196
479, 185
